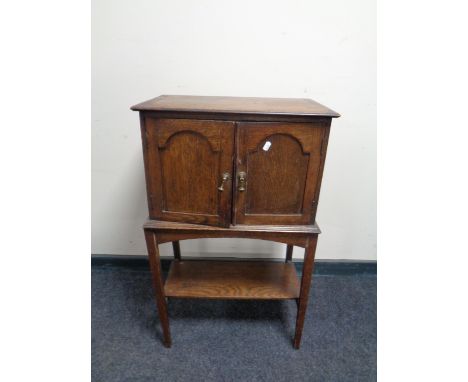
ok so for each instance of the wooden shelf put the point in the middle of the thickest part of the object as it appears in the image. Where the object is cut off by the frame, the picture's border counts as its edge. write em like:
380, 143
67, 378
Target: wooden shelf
232, 280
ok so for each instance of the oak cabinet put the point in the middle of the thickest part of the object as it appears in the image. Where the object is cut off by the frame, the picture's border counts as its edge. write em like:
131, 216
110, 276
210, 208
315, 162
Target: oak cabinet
220, 167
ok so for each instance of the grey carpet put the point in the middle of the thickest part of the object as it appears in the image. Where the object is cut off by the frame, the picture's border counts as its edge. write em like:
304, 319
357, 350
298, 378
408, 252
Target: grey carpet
232, 340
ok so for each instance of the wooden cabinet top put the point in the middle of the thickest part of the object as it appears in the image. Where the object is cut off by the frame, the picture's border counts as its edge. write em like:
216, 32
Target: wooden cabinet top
236, 105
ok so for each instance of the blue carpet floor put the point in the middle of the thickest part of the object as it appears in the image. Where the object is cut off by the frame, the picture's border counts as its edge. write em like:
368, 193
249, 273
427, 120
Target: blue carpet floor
232, 340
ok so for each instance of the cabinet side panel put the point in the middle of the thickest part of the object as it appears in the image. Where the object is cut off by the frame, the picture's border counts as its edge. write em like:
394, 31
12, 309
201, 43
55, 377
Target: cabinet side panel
323, 151
144, 142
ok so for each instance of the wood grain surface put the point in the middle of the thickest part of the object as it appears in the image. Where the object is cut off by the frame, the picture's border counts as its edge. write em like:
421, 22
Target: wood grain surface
232, 280
237, 105
164, 226
282, 165
185, 161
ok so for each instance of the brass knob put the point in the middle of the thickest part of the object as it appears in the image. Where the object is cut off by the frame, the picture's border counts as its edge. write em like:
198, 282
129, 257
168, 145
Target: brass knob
225, 177
241, 181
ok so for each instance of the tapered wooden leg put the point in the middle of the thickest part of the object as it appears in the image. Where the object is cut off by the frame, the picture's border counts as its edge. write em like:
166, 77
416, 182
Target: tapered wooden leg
155, 265
176, 248
289, 253
305, 287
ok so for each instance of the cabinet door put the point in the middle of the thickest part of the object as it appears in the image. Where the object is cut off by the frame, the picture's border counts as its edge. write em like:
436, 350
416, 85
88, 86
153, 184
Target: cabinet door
278, 172
185, 162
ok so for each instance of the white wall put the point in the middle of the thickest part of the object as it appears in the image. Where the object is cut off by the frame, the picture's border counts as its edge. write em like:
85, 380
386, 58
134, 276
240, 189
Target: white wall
324, 50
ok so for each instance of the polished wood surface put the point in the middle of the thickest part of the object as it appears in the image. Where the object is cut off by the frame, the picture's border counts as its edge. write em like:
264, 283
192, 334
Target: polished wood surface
282, 162
232, 280
165, 226
292, 235
237, 105
185, 162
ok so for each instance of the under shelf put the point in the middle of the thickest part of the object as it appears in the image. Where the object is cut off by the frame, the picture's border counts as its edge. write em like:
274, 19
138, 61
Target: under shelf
232, 280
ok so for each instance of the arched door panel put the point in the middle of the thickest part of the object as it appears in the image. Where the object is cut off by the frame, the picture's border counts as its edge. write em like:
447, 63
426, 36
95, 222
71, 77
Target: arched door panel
278, 168
185, 167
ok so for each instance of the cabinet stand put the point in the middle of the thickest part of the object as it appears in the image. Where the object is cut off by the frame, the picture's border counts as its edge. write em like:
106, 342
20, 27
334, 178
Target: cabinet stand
231, 279
233, 167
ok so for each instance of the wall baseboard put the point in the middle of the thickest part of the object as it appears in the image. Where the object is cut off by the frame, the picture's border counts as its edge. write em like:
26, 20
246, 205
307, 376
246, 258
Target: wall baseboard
322, 267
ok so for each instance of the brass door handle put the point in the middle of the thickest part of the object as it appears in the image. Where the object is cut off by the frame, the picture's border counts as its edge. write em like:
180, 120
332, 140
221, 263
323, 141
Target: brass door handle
225, 177
241, 181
